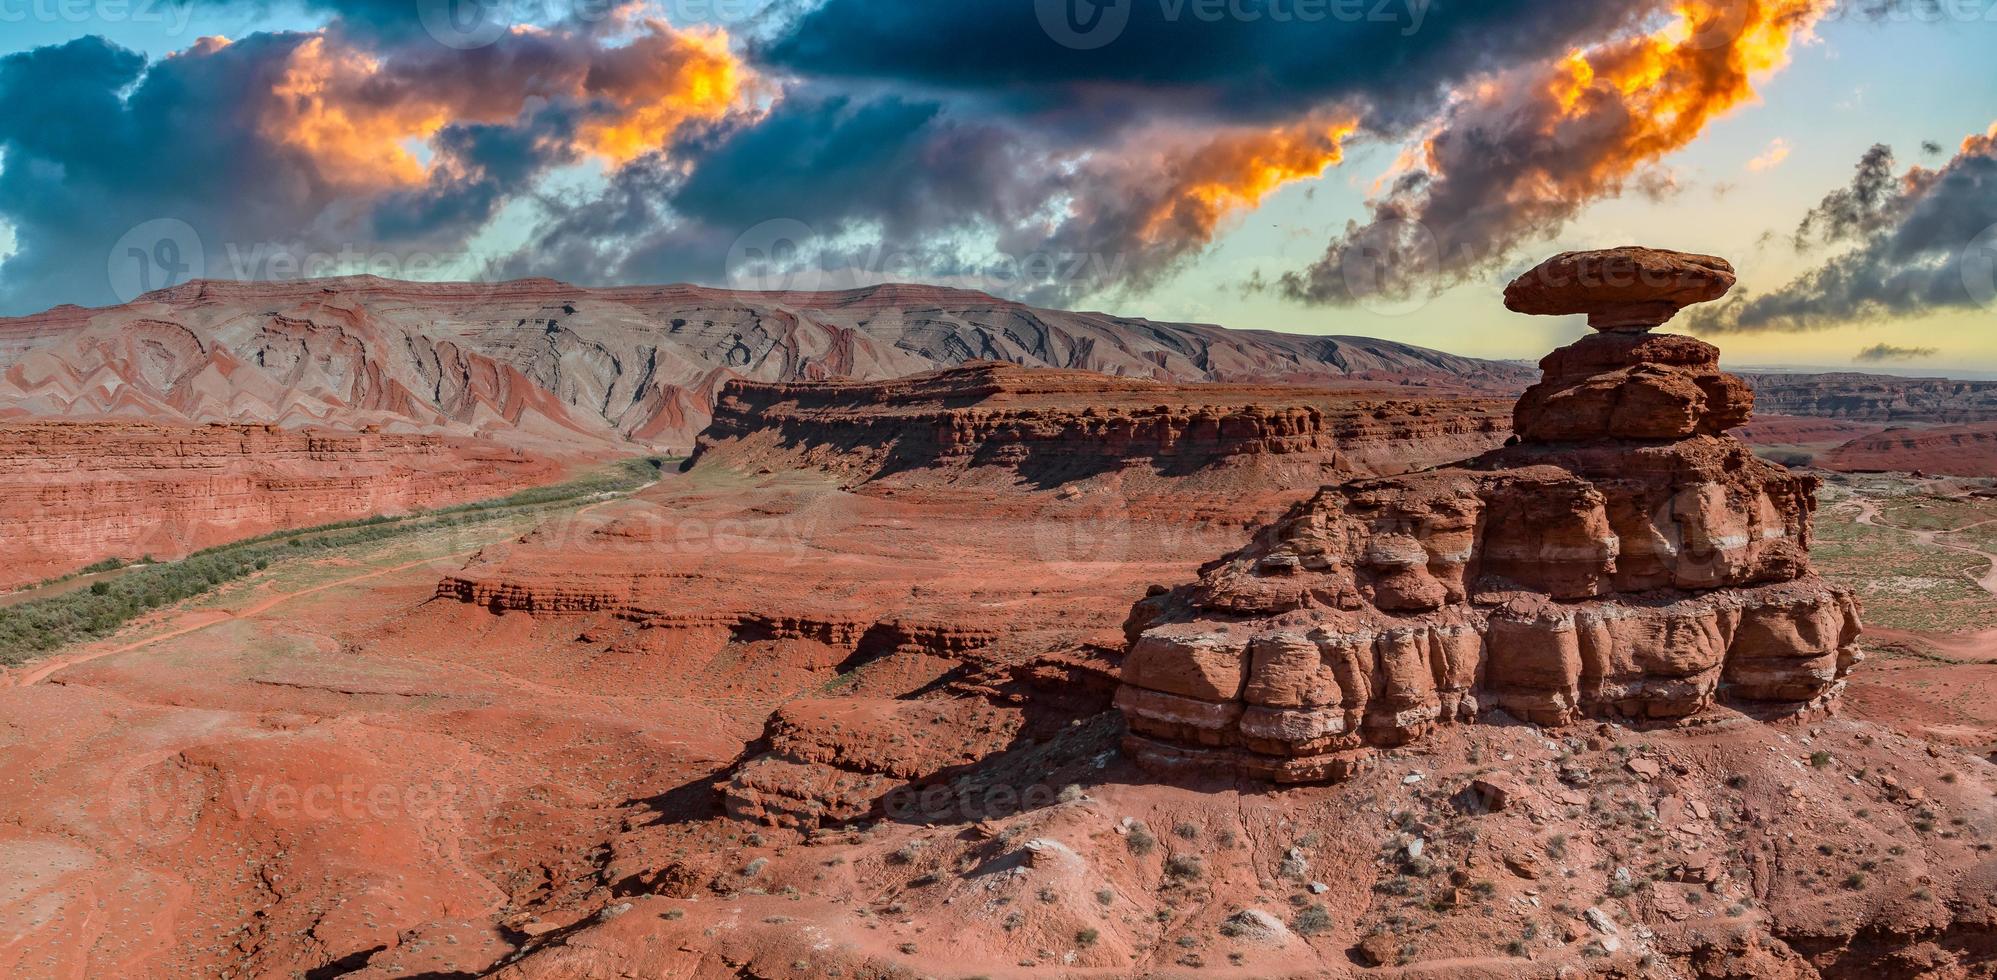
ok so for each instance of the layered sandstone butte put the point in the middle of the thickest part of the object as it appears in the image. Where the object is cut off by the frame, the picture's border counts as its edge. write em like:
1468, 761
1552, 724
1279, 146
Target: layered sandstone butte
76, 492
1954, 450
1878, 398
1625, 559
994, 422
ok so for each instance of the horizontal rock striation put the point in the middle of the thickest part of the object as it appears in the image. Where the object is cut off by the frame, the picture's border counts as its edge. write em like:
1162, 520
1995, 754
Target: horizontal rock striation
1952, 450
78, 492
1049, 427
1625, 559
549, 365
836, 760
1877, 398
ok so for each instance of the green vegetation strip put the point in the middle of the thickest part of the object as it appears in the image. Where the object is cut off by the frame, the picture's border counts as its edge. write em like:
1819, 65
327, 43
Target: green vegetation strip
35, 628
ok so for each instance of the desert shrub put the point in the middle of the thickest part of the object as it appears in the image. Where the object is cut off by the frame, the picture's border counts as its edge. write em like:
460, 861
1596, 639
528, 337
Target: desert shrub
1312, 920
1184, 867
43, 625
1139, 840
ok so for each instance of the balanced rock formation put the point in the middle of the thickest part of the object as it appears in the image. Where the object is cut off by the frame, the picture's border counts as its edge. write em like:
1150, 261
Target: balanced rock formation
1624, 559
1627, 290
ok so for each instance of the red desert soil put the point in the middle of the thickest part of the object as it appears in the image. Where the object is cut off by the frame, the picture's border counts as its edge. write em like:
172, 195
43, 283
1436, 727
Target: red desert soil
665, 631
836, 701
370, 781
72, 493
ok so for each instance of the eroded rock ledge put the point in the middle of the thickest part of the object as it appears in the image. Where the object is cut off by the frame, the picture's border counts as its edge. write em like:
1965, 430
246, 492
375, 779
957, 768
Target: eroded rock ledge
77, 492
1053, 426
1625, 559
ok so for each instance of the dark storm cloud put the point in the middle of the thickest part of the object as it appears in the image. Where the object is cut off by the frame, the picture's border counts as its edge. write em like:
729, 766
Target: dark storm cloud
909, 166
1112, 161
1520, 158
1926, 242
1852, 211
1242, 60
1882, 353
1054, 169
294, 147
487, 165
894, 188
84, 162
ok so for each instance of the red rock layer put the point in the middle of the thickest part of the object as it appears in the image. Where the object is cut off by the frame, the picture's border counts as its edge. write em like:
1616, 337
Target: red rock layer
1877, 397
77, 492
1952, 450
991, 422
544, 364
1624, 560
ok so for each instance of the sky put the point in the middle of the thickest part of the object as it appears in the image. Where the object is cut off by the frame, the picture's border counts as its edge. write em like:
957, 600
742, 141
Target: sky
1370, 167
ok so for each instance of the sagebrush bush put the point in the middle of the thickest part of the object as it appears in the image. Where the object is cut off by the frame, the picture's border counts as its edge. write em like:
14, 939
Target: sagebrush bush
42, 625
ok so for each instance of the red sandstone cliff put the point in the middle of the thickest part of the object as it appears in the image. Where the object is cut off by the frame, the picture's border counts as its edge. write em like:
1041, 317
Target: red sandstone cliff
1877, 397
997, 426
77, 492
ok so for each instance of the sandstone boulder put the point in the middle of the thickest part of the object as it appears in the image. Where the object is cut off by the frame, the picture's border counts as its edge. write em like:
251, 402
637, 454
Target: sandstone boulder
1621, 289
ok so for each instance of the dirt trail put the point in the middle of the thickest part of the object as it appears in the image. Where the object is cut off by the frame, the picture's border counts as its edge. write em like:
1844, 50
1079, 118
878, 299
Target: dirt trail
1868, 513
1961, 646
196, 621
